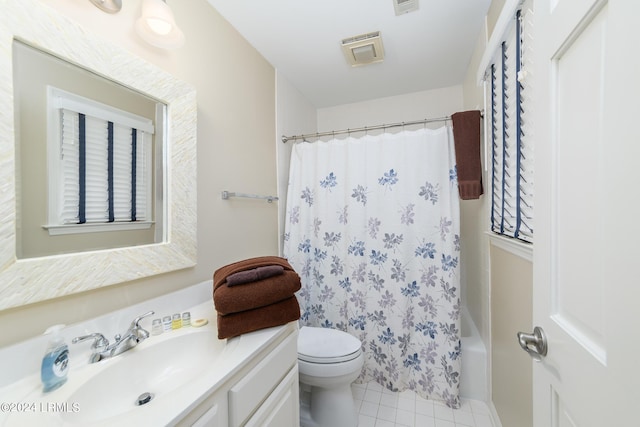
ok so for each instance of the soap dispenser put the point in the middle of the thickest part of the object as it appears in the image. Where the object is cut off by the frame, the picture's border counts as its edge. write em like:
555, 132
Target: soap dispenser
55, 363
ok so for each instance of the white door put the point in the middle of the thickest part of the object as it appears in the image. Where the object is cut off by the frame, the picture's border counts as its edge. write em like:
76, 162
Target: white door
587, 207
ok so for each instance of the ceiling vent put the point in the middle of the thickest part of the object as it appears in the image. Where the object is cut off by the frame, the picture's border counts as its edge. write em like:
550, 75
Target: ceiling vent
363, 49
405, 6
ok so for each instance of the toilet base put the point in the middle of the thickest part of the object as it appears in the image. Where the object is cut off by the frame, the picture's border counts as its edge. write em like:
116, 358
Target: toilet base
305, 407
334, 407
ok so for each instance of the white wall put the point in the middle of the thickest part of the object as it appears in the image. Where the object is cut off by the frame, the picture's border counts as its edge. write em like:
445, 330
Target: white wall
393, 109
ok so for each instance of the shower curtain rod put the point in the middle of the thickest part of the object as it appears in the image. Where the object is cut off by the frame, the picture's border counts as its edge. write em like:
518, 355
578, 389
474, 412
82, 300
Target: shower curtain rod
285, 139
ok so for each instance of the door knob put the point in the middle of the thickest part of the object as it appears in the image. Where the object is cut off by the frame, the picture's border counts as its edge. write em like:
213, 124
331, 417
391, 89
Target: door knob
535, 344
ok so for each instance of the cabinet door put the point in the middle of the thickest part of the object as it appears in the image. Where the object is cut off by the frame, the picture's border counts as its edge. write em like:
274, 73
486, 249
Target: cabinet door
252, 390
282, 408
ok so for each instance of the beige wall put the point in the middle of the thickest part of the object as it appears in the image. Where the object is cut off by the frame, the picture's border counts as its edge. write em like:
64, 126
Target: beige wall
236, 152
296, 116
511, 311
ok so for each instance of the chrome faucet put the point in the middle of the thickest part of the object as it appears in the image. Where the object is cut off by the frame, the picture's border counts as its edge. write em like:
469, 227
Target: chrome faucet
103, 350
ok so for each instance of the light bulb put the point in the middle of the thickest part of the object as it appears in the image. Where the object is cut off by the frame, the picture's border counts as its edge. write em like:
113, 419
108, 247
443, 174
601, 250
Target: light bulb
159, 26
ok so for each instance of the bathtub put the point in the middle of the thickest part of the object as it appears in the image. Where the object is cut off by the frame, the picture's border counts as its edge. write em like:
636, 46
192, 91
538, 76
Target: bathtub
473, 377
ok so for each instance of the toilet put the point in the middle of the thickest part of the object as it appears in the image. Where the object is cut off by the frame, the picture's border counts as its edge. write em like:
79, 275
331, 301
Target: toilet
329, 360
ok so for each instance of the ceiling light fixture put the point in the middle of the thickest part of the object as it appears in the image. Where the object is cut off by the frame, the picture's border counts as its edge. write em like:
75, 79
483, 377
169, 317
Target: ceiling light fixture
363, 49
109, 6
157, 26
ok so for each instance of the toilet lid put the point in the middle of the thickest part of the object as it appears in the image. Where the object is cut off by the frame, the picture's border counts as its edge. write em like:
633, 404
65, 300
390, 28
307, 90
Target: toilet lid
325, 345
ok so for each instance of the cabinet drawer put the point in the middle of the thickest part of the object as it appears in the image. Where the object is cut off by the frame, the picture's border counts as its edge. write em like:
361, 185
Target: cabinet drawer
254, 388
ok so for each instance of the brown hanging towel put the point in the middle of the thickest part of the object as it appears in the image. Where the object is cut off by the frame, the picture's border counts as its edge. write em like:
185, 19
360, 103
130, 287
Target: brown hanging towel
466, 136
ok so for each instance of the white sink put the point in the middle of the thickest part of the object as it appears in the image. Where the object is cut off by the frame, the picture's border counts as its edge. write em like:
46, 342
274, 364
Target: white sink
171, 367
159, 366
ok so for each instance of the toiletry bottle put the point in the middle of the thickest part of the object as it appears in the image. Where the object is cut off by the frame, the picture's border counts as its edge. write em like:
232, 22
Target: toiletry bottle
55, 363
186, 319
156, 328
176, 322
166, 323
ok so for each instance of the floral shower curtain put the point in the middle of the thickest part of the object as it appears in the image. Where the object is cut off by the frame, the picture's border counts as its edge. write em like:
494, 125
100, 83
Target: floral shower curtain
372, 228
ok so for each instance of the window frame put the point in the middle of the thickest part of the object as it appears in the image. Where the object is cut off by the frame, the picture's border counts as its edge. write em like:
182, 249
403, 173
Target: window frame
513, 31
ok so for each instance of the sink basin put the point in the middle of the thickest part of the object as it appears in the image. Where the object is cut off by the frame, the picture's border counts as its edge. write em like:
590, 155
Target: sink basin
158, 366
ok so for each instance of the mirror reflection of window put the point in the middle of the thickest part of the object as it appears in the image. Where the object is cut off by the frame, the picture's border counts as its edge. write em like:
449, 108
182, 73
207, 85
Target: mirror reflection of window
110, 197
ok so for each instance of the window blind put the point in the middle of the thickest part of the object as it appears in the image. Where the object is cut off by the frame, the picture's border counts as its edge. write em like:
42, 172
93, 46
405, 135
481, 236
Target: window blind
105, 171
511, 146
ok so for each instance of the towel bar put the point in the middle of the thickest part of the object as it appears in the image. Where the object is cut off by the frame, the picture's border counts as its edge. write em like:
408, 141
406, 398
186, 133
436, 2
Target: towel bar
227, 194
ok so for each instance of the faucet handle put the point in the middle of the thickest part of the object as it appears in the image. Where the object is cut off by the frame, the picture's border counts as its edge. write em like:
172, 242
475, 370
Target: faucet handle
99, 340
136, 321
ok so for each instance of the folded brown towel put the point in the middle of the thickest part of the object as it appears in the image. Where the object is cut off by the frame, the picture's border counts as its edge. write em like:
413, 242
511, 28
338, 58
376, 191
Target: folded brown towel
221, 274
271, 315
466, 136
233, 299
254, 275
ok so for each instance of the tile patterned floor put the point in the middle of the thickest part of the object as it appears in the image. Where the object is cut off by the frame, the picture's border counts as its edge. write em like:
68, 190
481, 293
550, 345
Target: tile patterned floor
379, 407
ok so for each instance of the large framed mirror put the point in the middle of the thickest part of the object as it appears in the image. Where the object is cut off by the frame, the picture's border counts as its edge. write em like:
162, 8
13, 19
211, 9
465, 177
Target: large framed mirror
25, 280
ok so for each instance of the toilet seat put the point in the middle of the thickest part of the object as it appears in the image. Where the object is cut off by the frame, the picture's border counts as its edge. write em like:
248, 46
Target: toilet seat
329, 360
327, 346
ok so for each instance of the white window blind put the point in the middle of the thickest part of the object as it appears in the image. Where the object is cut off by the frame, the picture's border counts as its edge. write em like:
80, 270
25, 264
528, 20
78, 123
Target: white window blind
509, 91
103, 167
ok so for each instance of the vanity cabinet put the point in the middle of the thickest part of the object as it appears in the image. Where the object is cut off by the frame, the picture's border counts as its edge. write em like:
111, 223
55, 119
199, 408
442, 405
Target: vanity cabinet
263, 393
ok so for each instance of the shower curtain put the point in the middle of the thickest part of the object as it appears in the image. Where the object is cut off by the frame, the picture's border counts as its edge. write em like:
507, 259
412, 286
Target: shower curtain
372, 227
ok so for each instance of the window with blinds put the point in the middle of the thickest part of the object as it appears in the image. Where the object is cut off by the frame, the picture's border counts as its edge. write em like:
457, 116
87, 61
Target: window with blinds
103, 166
511, 147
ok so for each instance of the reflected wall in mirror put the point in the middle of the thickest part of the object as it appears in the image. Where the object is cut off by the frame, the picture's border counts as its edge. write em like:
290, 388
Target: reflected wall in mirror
45, 275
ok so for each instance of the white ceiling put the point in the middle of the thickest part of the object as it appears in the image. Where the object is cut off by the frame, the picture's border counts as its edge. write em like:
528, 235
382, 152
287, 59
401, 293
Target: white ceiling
427, 49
